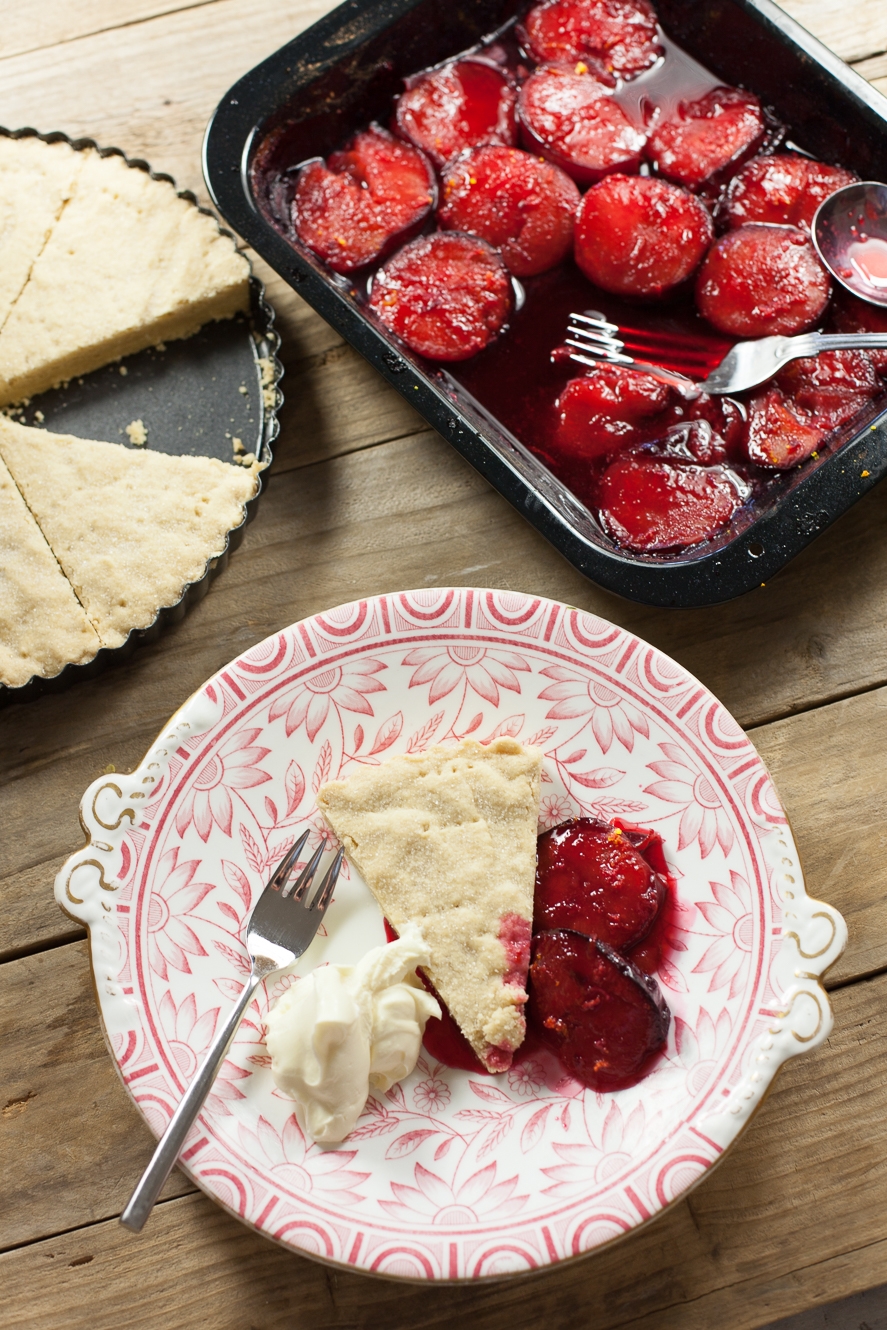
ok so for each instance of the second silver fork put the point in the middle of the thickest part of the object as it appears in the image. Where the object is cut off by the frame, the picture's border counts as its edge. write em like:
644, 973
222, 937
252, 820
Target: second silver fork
746, 365
279, 930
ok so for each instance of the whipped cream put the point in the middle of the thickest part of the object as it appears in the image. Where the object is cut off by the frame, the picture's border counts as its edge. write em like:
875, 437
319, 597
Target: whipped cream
344, 1030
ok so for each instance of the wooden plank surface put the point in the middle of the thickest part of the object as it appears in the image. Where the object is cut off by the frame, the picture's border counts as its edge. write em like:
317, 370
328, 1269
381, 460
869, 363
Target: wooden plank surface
853, 31
365, 498
794, 1191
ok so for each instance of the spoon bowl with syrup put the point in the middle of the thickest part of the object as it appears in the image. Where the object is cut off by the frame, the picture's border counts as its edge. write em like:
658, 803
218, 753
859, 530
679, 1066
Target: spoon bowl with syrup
850, 235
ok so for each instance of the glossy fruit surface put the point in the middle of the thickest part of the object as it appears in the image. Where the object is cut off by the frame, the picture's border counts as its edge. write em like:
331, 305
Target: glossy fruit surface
571, 118
603, 1017
783, 189
637, 236
779, 437
446, 295
459, 106
707, 137
523, 207
590, 878
602, 411
832, 387
365, 199
651, 504
618, 37
759, 280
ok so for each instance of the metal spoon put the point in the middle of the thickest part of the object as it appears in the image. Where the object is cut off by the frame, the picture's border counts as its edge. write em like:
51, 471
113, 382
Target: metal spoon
850, 235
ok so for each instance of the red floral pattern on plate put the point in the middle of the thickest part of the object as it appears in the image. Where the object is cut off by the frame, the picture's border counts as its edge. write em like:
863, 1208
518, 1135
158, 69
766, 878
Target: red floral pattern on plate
449, 1174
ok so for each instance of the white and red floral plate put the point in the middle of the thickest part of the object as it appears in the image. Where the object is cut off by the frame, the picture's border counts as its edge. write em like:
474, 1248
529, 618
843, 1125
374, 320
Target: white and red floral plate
450, 1175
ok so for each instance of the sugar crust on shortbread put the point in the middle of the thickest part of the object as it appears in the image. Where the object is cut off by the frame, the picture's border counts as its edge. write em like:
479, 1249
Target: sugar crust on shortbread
127, 264
129, 528
36, 181
446, 839
42, 624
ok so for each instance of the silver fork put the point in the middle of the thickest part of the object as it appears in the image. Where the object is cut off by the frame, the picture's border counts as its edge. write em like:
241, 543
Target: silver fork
278, 932
746, 365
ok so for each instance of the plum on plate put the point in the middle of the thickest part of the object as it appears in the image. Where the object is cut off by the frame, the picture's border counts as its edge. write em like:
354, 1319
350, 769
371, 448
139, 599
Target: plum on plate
592, 879
602, 1016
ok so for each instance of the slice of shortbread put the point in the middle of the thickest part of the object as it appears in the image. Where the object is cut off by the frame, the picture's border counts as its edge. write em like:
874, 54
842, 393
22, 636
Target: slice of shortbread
42, 623
128, 264
129, 528
446, 840
36, 180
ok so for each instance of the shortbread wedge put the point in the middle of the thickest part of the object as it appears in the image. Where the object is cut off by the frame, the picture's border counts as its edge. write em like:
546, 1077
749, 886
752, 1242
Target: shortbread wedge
36, 181
446, 840
42, 623
128, 264
129, 528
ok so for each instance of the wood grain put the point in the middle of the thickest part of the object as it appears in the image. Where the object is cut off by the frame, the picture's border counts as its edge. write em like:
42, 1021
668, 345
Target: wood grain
853, 31
71, 1142
830, 769
151, 87
796, 1189
33, 27
875, 70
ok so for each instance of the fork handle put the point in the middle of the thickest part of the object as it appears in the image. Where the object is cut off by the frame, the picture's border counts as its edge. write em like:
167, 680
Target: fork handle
142, 1201
845, 341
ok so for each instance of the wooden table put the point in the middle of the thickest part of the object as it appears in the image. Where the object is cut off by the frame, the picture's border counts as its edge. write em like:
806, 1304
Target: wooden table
366, 498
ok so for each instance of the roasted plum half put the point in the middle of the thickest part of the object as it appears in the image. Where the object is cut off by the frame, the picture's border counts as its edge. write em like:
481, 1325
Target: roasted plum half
570, 118
705, 140
616, 37
445, 295
365, 200
784, 189
592, 879
604, 411
761, 280
460, 105
652, 504
636, 236
602, 1016
522, 206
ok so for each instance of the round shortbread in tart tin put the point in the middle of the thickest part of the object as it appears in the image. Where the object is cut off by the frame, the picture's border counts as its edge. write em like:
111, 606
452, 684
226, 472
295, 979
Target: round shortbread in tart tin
211, 394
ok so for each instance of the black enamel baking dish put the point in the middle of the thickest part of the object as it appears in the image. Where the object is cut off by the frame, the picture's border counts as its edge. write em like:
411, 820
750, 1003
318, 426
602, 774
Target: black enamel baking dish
345, 70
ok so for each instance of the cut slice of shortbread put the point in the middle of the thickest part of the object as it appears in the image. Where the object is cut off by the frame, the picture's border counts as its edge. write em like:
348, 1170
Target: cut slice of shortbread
128, 264
446, 839
129, 528
42, 623
36, 180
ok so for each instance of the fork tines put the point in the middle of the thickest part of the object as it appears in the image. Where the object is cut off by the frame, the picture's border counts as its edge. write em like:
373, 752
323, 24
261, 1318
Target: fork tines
594, 335
325, 890
300, 888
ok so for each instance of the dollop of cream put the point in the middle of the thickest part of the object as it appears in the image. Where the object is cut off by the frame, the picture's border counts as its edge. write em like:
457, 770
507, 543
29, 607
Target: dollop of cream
344, 1030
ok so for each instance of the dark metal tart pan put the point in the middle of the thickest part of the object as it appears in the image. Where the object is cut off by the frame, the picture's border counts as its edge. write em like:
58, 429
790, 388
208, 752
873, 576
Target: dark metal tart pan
190, 391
